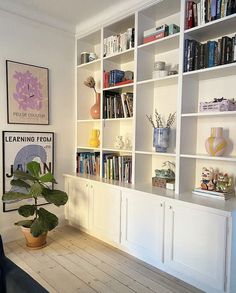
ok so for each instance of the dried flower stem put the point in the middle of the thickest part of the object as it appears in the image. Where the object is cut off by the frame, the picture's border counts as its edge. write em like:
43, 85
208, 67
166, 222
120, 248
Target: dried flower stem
159, 120
151, 121
90, 82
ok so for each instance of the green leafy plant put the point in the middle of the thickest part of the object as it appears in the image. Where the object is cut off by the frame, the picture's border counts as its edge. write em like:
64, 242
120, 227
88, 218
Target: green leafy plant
33, 185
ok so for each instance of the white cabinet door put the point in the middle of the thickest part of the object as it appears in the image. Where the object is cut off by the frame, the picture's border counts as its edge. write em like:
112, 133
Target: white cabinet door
196, 244
143, 226
78, 203
105, 211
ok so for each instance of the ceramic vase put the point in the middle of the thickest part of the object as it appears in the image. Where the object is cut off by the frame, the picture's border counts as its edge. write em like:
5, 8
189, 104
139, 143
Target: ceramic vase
216, 144
95, 109
94, 140
161, 139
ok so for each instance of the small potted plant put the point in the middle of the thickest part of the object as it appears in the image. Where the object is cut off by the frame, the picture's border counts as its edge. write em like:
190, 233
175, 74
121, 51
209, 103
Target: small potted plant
95, 109
30, 184
161, 131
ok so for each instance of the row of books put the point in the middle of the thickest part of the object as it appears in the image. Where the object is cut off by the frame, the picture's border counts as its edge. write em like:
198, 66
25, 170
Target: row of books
159, 32
117, 77
118, 43
117, 167
116, 105
212, 53
88, 163
207, 10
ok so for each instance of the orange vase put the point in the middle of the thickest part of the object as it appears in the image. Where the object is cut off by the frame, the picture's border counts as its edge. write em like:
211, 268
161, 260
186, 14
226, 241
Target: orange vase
95, 109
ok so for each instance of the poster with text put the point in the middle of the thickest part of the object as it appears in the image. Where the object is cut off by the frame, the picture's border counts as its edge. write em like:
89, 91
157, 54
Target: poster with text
20, 148
27, 93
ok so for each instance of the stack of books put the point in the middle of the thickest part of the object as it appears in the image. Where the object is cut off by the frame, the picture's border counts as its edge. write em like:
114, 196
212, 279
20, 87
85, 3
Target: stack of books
214, 194
116, 105
118, 43
88, 163
203, 11
212, 53
114, 77
117, 167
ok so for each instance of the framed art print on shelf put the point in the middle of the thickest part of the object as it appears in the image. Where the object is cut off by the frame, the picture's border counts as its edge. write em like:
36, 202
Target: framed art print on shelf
19, 148
27, 93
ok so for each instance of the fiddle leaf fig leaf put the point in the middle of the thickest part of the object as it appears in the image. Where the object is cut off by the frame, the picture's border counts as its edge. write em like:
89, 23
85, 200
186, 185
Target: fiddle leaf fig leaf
27, 210
37, 228
48, 220
19, 183
11, 195
34, 168
47, 178
36, 189
23, 175
54, 196
25, 223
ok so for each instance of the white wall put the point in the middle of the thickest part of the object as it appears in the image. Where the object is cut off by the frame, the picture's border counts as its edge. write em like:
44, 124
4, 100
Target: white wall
34, 43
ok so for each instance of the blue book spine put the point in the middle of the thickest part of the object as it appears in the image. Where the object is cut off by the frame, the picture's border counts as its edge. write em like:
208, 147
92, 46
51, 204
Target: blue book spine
211, 58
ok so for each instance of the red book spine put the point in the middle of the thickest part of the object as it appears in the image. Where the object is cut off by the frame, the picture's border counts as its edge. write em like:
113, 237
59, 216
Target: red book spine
154, 37
190, 14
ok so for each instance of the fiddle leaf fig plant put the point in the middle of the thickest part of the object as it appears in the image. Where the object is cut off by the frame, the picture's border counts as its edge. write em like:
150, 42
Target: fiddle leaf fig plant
32, 185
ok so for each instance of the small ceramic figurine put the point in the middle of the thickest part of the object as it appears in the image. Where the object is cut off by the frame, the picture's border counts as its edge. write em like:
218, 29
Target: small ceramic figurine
224, 182
127, 143
207, 181
118, 144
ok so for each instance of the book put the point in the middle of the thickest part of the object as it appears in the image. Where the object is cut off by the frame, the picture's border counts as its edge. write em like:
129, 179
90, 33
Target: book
213, 9
214, 194
154, 37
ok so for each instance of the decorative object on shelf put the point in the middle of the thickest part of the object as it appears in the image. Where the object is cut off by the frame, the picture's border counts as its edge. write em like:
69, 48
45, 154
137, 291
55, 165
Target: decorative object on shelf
119, 143
31, 184
19, 148
92, 56
161, 132
27, 94
164, 176
84, 57
159, 65
94, 140
95, 109
218, 105
215, 184
128, 142
216, 144
160, 70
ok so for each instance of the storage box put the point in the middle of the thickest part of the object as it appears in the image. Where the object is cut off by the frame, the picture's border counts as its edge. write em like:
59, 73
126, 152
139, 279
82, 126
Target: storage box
173, 29
225, 105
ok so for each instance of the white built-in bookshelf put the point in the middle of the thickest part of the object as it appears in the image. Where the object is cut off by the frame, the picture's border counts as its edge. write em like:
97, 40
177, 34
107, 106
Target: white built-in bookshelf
180, 93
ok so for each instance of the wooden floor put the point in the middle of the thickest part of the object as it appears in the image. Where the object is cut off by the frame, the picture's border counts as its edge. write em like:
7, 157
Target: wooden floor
75, 262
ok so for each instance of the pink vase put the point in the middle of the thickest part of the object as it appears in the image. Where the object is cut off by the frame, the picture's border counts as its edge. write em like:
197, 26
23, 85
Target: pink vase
95, 109
216, 144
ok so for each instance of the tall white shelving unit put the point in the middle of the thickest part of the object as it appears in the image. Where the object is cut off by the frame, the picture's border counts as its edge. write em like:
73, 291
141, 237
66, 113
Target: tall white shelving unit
179, 93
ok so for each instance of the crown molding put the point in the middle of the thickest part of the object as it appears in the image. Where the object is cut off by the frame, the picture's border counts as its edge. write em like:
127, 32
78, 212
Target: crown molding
32, 15
112, 15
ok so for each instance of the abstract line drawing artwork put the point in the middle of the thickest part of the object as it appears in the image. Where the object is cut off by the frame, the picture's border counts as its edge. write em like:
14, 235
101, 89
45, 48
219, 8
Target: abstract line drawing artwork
20, 148
27, 93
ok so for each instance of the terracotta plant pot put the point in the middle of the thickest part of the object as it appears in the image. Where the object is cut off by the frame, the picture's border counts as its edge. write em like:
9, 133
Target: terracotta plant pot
34, 242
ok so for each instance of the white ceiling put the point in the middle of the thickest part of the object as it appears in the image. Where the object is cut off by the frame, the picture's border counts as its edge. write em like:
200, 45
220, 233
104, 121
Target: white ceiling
70, 15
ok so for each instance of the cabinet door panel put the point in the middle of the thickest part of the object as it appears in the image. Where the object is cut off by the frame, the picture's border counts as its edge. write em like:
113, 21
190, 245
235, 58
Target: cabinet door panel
196, 244
142, 227
78, 205
105, 211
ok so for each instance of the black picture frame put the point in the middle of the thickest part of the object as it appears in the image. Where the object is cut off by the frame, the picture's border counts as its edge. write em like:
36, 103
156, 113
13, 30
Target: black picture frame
21, 147
27, 93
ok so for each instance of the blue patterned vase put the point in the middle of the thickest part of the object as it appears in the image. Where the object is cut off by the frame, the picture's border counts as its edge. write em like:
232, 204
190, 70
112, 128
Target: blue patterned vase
161, 139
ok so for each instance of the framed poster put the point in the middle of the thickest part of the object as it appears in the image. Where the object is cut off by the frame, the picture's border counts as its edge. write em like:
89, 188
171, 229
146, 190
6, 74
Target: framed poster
19, 148
27, 93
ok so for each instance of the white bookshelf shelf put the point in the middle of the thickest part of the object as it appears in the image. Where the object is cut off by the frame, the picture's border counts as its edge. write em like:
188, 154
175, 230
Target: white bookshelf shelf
162, 45
212, 72
87, 148
93, 65
210, 114
162, 80
118, 119
206, 157
88, 120
213, 29
119, 87
155, 154
117, 150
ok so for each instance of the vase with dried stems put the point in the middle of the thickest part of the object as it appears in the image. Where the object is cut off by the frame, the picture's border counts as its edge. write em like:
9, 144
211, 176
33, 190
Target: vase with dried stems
95, 109
161, 131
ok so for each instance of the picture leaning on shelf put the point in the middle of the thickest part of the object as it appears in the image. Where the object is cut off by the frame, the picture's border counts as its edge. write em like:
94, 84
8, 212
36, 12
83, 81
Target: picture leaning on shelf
203, 11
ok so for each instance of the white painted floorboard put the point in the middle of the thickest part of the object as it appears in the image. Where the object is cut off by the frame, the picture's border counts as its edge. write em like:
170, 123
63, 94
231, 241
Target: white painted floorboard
76, 262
